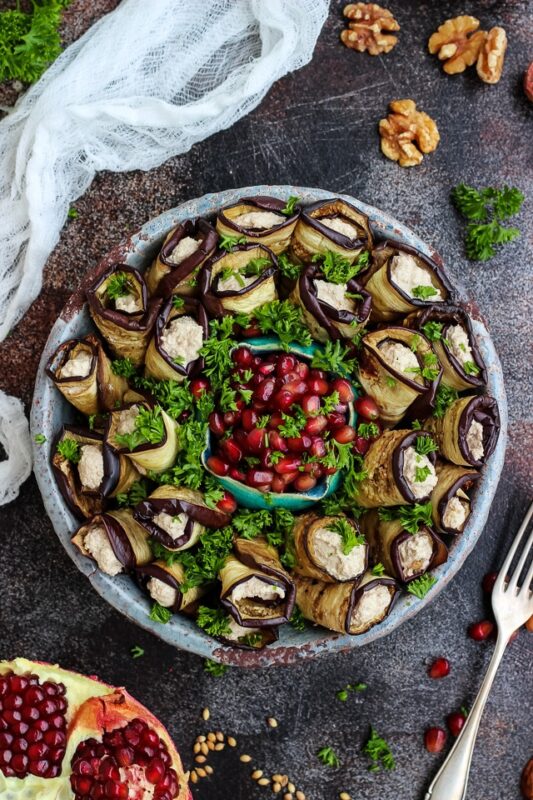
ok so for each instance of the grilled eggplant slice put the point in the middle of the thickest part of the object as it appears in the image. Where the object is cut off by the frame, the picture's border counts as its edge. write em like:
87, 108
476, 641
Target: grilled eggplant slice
177, 517
179, 333
450, 331
468, 431
184, 251
120, 308
396, 472
256, 590
329, 548
260, 220
351, 608
163, 583
115, 541
400, 371
331, 226
145, 433
402, 279
331, 311
239, 281
404, 555
450, 499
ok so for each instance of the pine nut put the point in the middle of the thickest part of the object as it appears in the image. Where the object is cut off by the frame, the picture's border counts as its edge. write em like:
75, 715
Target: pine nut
232, 742
208, 769
256, 774
287, 796
201, 772
220, 746
196, 748
263, 782
277, 778
205, 714
245, 758
300, 796
344, 796
211, 737
291, 787
194, 776
210, 746
219, 736
276, 787
200, 738
200, 760
272, 721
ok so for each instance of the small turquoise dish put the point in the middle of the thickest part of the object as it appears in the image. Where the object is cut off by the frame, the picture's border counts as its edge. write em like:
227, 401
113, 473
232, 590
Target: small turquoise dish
247, 496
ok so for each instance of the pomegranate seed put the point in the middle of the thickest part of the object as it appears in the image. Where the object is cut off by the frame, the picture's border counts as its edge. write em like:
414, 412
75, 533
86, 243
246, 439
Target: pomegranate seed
259, 477
479, 631
286, 363
289, 376
267, 369
19, 763
344, 435
344, 390
304, 483
310, 404
296, 387
317, 374
329, 470
275, 420
199, 386
264, 391
318, 448
243, 357
455, 722
314, 469
434, 740
287, 464
360, 445
39, 768
125, 756
155, 771
82, 785
439, 669
227, 504
256, 440
231, 450
230, 418
20, 746
302, 369
277, 442
278, 484
315, 425
283, 400
219, 467
318, 386
488, 582
336, 420
108, 770
13, 701
236, 474
19, 683
298, 444
37, 751
249, 419
367, 408
216, 423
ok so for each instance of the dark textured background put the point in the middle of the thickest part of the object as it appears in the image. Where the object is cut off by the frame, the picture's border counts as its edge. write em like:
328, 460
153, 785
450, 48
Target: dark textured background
317, 127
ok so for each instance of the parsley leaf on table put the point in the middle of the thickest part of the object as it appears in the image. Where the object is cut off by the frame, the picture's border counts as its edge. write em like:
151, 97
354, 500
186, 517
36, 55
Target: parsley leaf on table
486, 209
379, 752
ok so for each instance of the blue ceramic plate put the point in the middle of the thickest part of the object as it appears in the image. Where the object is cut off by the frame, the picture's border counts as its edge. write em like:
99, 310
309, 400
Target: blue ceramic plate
50, 410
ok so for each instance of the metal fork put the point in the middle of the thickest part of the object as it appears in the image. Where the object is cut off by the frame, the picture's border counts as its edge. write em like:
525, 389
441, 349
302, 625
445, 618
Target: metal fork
512, 605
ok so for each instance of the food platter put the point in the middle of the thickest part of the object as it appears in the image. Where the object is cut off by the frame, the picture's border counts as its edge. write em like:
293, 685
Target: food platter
50, 410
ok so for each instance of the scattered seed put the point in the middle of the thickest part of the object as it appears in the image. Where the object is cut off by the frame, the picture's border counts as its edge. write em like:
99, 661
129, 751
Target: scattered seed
272, 721
232, 742
263, 782
291, 787
245, 758
287, 796
344, 796
211, 737
194, 776
219, 736
200, 759
256, 774
300, 796
205, 714
220, 746
200, 738
196, 748
201, 772
204, 748
210, 745
208, 769
277, 778
276, 787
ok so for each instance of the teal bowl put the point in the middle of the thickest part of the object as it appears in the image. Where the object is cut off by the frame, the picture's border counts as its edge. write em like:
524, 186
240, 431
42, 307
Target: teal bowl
247, 496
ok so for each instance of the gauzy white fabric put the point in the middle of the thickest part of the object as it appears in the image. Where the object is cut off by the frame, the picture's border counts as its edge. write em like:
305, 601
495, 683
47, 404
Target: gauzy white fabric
145, 83
15, 440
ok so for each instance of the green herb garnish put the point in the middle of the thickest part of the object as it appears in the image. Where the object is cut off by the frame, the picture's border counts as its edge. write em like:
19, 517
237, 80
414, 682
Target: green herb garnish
29, 42
73, 213
118, 285
379, 752
432, 331
486, 209
177, 302
378, 569
367, 430
297, 620
124, 367
160, 614
136, 652
289, 205
421, 473
149, 429
287, 268
421, 586
334, 357
229, 242
444, 398
349, 534
342, 694
39, 438
213, 621
470, 368
338, 269
69, 449
137, 493
328, 757
283, 319
412, 518
425, 445
214, 668
423, 292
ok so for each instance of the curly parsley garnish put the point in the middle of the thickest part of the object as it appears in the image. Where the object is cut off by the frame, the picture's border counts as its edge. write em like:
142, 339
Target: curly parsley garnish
412, 518
160, 614
350, 536
338, 269
283, 319
229, 242
290, 205
214, 668
432, 331
136, 494
336, 358
149, 429
287, 268
328, 757
421, 586
379, 752
425, 445
423, 292
29, 42
444, 398
69, 449
118, 285
214, 621
124, 367
486, 209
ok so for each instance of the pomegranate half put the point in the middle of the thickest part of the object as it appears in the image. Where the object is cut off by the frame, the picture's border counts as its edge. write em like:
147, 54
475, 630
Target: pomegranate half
64, 736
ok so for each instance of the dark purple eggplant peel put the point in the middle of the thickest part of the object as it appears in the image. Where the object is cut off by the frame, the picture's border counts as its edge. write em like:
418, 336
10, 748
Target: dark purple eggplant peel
276, 237
165, 277
158, 363
453, 431
128, 541
453, 487
329, 564
246, 298
173, 576
312, 236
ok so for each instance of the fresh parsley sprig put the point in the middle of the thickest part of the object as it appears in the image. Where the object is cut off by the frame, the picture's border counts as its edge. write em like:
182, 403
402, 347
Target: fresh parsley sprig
424, 445
421, 585
214, 621
285, 321
338, 269
444, 398
149, 429
215, 669
118, 285
160, 614
288, 268
297, 620
486, 209
349, 534
290, 205
328, 757
137, 493
229, 242
29, 42
412, 518
379, 752
69, 449
336, 358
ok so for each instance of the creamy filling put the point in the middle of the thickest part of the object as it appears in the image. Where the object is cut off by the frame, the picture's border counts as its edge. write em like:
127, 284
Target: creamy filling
341, 226
232, 283
419, 473
408, 275
161, 592
256, 588
459, 344
126, 420
182, 339
184, 248
139, 787
128, 303
91, 466
97, 545
329, 555
237, 631
77, 367
400, 358
415, 553
334, 294
173, 525
371, 608
474, 440
258, 220
455, 513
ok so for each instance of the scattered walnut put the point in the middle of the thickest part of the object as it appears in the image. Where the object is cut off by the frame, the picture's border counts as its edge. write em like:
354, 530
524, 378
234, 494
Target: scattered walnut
490, 60
407, 133
455, 46
526, 784
367, 26
528, 82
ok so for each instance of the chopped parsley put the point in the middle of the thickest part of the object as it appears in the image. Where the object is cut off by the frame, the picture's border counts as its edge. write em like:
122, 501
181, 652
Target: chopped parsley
214, 621
444, 398
421, 585
203, 565
39, 438
229, 242
287, 268
349, 534
29, 41
149, 429
292, 425
486, 209
423, 292
160, 614
367, 430
430, 370
216, 351
379, 752
118, 285
421, 473
137, 493
136, 652
412, 518
290, 205
470, 368
177, 302
124, 367
69, 449
328, 757
73, 213
390, 381
415, 341
432, 331
214, 668
378, 569
297, 620
342, 694
338, 269
425, 445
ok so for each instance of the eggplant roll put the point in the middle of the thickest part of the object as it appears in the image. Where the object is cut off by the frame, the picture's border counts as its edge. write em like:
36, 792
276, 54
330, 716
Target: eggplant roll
395, 472
331, 225
177, 517
450, 498
122, 312
346, 607
319, 549
450, 331
249, 638
468, 431
82, 372
92, 473
400, 371
123, 434
402, 279
115, 541
184, 251
163, 583
404, 555
256, 589
179, 333
331, 310
260, 221
239, 281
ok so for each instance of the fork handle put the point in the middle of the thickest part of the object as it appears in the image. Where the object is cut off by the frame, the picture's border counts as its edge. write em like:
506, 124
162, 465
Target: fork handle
451, 780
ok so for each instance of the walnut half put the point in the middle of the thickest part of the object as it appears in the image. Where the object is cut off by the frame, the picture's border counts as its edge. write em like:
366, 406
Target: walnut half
454, 44
369, 28
526, 784
491, 55
406, 134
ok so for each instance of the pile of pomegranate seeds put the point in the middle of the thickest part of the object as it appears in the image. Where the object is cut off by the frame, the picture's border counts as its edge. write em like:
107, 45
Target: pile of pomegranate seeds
128, 763
277, 442
32, 726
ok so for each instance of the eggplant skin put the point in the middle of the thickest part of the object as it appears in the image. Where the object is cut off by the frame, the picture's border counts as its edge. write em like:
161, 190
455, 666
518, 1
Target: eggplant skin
312, 236
276, 238
158, 363
451, 480
164, 278
82, 504
451, 430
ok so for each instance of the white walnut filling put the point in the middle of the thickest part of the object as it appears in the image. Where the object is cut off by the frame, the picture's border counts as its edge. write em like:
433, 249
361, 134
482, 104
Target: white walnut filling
161, 592
258, 220
329, 555
415, 553
139, 787
459, 344
400, 358
126, 420
413, 462
456, 513
77, 367
474, 440
128, 303
182, 339
91, 466
173, 525
341, 226
98, 546
334, 294
408, 275
257, 588
234, 283
184, 248
237, 631
371, 608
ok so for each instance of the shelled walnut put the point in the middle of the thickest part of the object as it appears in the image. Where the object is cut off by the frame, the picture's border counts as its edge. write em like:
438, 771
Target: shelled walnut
491, 55
455, 45
406, 134
526, 784
369, 28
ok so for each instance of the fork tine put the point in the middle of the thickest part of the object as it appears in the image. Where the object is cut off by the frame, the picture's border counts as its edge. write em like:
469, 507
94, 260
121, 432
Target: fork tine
526, 586
513, 580
498, 586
